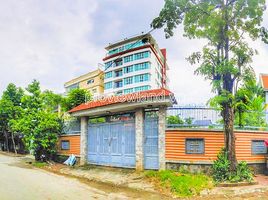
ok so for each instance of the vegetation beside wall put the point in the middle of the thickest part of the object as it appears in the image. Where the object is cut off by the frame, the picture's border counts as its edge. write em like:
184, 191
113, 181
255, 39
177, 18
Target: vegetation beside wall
180, 183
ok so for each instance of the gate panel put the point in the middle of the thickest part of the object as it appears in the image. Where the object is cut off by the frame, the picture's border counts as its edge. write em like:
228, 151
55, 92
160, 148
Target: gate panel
112, 144
151, 160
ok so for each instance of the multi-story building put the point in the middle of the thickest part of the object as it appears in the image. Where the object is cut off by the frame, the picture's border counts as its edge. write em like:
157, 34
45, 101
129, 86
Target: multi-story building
134, 64
92, 81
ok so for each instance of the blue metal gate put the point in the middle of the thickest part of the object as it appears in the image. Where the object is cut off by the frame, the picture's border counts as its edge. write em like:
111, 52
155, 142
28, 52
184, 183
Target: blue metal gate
151, 160
112, 144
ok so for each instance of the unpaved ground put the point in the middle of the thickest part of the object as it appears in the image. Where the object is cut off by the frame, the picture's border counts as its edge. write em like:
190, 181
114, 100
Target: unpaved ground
18, 181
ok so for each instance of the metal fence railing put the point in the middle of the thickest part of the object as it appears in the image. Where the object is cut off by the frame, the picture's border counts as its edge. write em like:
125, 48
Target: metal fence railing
205, 117
71, 126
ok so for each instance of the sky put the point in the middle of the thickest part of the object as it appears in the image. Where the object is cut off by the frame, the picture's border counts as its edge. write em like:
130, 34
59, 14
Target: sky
54, 41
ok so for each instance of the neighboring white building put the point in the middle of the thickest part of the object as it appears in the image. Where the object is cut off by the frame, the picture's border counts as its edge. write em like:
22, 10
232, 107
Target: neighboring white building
134, 64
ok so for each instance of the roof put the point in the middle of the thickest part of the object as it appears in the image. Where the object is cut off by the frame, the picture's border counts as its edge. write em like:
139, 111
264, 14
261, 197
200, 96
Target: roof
133, 97
83, 77
127, 40
264, 81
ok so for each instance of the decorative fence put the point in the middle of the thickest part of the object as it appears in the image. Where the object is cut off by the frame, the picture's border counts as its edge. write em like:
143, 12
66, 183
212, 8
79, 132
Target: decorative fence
205, 117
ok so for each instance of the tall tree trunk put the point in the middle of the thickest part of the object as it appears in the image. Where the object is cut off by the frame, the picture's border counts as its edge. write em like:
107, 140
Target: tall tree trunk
228, 114
14, 145
7, 143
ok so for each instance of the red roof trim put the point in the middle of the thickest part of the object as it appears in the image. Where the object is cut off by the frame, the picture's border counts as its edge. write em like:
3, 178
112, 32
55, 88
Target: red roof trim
264, 81
123, 98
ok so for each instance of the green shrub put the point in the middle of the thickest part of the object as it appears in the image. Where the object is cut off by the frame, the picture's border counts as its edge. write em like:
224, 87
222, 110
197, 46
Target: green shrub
180, 184
221, 167
222, 173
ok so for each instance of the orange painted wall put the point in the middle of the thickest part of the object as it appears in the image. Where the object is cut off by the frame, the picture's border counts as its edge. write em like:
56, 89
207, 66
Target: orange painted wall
214, 141
74, 145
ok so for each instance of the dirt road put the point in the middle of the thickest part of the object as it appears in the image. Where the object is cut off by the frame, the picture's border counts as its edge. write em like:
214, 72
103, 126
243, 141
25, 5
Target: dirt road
19, 181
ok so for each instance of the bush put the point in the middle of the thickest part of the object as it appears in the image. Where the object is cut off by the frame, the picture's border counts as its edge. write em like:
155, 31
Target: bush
221, 167
180, 184
174, 120
222, 173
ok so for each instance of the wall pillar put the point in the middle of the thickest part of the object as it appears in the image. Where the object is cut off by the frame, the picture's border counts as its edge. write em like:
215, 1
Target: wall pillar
83, 140
139, 121
162, 137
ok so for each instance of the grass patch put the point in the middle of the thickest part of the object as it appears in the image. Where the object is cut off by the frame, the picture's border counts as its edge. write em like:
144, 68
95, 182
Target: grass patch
39, 164
180, 184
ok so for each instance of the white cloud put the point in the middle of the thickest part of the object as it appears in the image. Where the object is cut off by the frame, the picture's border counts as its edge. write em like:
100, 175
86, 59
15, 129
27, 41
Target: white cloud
47, 41
54, 41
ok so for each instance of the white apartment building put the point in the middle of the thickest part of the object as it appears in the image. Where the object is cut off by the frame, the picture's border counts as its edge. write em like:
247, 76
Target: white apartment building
134, 64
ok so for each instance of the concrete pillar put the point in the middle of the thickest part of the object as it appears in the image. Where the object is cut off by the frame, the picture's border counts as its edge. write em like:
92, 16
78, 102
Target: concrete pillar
161, 137
83, 140
139, 121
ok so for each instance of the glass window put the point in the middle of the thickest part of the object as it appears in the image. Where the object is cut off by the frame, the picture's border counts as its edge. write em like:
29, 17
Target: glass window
258, 147
90, 81
118, 84
142, 66
142, 88
65, 145
108, 64
128, 58
108, 75
128, 80
118, 73
108, 85
142, 78
194, 146
127, 91
118, 62
71, 87
128, 69
141, 55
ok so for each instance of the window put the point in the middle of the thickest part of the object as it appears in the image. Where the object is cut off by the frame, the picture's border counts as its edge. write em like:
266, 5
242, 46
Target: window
142, 66
108, 65
141, 55
118, 84
108, 75
258, 147
142, 78
108, 85
65, 145
194, 146
118, 73
90, 81
94, 91
128, 58
71, 87
118, 62
127, 91
142, 88
118, 93
128, 80
128, 69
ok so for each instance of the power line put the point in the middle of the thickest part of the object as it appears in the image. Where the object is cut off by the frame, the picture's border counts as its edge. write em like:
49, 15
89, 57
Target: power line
143, 37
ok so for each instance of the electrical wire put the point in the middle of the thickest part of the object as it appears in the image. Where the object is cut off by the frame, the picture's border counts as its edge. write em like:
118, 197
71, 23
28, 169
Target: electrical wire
143, 37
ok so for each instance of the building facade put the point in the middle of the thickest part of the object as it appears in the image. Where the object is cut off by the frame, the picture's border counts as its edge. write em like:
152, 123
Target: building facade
133, 65
92, 81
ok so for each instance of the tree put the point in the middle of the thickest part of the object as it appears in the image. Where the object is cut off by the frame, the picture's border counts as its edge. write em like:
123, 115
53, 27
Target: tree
39, 124
76, 97
10, 109
226, 25
249, 104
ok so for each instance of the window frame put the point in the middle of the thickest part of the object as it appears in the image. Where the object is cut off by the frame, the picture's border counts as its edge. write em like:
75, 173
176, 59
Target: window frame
201, 153
258, 140
62, 141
